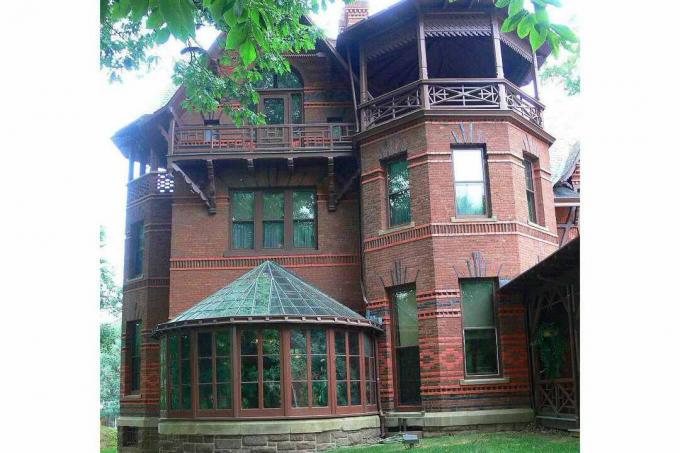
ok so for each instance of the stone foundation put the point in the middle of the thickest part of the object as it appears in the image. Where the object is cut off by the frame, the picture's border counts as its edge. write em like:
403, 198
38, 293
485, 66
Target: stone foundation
438, 423
266, 437
145, 440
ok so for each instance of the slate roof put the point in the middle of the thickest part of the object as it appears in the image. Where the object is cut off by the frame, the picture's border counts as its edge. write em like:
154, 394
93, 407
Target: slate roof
267, 292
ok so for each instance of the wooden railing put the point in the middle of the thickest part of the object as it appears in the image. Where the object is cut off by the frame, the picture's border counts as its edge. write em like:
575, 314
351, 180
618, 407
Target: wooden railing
556, 397
459, 94
152, 183
279, 137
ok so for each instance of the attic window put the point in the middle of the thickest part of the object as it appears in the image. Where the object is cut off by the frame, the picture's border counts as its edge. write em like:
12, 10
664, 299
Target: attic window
290, 80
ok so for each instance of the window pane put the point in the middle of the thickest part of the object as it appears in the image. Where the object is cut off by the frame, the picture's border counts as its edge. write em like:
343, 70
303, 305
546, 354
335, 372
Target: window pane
272, 394
397, 176
249, 369
319, 367
274, 111
204, 344
248, 342
242, 235
288, 80
318, 341
468, 165
355, 391
407, 317
353, 343
296, 108
185, 344
304, 233
205, 370
271, 342
249, 396
298, 367
320, 393
304, 204
164, 377
300, 394
223, 369
480, 351
340, 345
342, 393
531, 203
470, 199
223, 342
408, 360
341, 368
298, 342
271, 368
354, 370
400, 208
529, 174
243, 205
205, 396
273, 205
224, 396
273, 235
478, 307
186, 397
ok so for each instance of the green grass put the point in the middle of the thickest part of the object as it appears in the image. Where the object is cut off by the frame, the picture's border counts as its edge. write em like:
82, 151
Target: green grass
505, 442
108, 440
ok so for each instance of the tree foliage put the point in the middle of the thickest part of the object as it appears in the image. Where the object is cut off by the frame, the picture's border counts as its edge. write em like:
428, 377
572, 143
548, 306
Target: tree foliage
566, 72
110, 302
258, 34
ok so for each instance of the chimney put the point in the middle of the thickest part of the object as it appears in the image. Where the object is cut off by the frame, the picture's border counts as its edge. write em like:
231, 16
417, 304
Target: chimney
353, 13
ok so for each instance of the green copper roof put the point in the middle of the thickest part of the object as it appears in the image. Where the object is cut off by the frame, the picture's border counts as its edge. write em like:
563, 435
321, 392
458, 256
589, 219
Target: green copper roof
268, 291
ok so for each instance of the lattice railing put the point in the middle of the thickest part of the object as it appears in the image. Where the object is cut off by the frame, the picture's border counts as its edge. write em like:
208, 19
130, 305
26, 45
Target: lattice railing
556, 397
152, 183
277, 137
525, 105
459, 94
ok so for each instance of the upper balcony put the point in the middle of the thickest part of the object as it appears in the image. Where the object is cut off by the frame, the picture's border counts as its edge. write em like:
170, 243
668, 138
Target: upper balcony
442, 59
272, 141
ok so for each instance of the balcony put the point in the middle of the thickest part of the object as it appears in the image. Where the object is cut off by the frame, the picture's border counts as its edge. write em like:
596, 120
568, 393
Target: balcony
450, 94
274, 141
149, 184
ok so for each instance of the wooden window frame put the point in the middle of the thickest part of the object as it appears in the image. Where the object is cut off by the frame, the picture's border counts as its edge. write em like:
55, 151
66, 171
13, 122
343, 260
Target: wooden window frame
386, 166
394, 336
288, 222
309, 409
496, 327
531, 192
485, 181
214, 412
136, 256
286, 410
233, 222
133, 356
181, 412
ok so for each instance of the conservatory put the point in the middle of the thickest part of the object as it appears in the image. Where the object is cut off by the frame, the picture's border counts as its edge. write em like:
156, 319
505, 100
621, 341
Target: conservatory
268, 346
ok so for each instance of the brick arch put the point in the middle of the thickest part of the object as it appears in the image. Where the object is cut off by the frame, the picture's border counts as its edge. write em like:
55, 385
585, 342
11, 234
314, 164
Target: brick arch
467, 135
392, 146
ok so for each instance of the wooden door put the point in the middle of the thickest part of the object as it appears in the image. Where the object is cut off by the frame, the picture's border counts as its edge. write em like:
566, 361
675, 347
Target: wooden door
276, 110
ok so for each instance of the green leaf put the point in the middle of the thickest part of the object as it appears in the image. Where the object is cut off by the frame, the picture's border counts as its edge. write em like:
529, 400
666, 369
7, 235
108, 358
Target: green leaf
155, 19
510, 23
554, 41
537, 38
565, 32
139, 8
553, 2
541, 15
248, 52
502, 3
230, 17
163, 35
217, 8
179, 16
515, 7
236, 36
525, 26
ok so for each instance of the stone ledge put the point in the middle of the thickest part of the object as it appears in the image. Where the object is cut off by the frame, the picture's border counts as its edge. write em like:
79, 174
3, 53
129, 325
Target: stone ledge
257, 427
482, 381
436, 420
138, 422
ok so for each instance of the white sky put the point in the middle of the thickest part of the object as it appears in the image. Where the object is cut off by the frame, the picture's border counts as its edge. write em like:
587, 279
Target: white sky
139, 94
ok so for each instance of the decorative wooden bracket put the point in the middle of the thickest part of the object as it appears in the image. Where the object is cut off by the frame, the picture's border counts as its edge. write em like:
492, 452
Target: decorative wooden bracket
332, 197
175, 168
346, 186
164, 133
211, 187
251, 166
291, 164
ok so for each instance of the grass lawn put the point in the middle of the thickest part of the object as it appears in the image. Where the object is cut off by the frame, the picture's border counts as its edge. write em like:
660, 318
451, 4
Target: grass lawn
504, 442
108, 440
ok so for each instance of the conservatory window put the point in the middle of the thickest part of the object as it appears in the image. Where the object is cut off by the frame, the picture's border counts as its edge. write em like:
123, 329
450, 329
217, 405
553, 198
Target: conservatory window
179, 350
309, 368
260, 368
479, 327
214, 370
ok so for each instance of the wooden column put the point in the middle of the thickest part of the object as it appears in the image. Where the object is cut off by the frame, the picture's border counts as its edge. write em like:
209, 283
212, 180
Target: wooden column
498, 58
534, 65
422, 62
131, 166
154, 159
363, 83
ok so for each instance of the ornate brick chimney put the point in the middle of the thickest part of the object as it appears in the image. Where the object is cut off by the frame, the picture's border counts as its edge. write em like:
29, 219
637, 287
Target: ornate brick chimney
353, 13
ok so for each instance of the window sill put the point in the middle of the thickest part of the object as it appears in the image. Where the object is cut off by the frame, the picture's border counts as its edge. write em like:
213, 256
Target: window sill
538, 226
134, 279
405, 226
132, 396
493, 218
481, 381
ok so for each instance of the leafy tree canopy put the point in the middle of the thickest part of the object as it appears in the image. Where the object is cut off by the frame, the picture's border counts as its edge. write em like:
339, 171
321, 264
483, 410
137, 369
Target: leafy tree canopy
258, 34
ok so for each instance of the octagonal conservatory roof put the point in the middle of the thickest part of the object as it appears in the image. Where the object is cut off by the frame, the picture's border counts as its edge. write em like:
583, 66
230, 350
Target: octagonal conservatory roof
267, 293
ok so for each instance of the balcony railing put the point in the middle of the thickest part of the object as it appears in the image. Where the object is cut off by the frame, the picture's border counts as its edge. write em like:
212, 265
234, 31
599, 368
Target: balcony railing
444, 94
284, 138
152, 183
